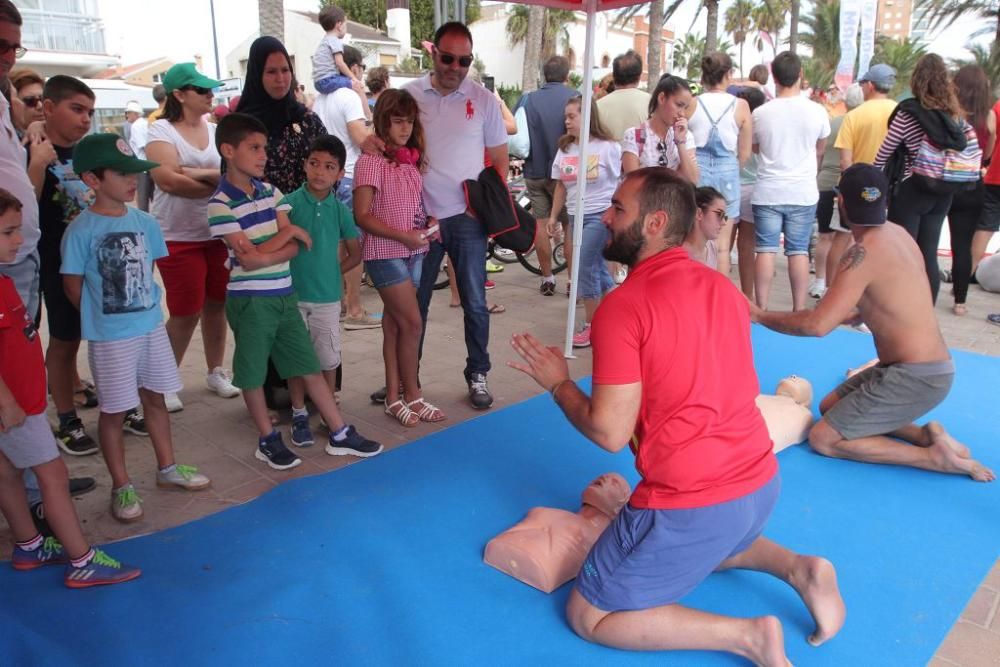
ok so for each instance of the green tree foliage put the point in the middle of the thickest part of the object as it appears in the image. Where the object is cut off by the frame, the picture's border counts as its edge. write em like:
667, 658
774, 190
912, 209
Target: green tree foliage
900, 54
770, 17
822, 33
373, 12
738, 21
689, 52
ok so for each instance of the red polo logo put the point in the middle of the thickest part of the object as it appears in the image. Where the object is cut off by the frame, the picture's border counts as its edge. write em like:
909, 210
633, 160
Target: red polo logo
469, 110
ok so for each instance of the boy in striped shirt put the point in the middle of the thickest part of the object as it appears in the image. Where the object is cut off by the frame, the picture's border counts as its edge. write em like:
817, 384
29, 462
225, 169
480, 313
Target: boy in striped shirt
261, 305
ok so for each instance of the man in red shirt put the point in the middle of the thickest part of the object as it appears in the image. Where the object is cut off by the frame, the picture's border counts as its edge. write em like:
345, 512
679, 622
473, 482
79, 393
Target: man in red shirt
674, 376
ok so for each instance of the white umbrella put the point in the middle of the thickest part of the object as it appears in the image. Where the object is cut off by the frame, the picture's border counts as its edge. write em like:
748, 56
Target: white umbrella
591, 7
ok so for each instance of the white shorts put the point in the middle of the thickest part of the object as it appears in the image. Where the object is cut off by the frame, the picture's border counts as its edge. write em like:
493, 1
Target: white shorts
30, 444
323, 322
746, 210
121, 367
835, 223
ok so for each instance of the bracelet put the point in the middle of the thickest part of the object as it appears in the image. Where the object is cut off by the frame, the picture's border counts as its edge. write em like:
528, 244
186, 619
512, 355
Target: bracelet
556, 387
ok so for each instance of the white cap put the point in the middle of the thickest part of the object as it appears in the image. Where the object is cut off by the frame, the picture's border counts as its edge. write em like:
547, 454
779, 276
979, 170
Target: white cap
133, 106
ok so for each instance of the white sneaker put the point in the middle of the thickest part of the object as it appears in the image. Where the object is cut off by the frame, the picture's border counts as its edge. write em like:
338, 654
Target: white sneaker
817, 289
220, 381
173, 402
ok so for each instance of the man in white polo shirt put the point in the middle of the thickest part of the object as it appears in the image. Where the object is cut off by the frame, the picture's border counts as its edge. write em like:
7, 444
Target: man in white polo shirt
462, 122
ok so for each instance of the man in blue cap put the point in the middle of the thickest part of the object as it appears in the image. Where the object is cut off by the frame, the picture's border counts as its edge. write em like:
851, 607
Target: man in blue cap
882, 282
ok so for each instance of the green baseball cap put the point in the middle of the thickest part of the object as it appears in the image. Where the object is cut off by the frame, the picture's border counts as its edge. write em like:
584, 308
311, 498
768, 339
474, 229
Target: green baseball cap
110, 152
185, 74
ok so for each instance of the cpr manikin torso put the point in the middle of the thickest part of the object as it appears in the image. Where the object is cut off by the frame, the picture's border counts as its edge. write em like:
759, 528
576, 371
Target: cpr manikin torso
547, 548
788, 414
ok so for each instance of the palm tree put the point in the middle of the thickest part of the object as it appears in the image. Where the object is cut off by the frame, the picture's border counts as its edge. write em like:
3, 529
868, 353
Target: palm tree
987, 58
271, 15
711, 24
900, 54
738, 22
532, 47
822, 34
769, 17
654, 50
687, 54
944, 13
793, 30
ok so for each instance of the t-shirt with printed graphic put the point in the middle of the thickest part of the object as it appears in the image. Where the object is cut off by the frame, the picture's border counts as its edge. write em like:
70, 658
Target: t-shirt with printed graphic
316, 272
232, 210
653, 151
63, 197
604, 167
115, 256
22, 366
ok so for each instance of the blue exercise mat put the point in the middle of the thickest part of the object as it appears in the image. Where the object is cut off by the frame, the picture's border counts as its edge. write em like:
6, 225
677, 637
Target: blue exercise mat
381, 563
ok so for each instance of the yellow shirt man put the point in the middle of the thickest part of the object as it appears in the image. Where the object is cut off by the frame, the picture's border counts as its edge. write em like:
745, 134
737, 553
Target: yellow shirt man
865, 128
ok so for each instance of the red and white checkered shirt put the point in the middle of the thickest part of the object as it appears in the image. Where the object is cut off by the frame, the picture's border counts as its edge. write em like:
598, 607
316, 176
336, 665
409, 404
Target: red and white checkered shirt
398, 203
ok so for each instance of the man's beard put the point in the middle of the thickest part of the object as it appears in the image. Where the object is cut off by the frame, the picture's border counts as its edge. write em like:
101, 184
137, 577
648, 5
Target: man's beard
626, 246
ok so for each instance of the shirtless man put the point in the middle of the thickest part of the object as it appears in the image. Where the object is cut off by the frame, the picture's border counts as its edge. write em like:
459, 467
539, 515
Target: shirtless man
882, 275
674, 377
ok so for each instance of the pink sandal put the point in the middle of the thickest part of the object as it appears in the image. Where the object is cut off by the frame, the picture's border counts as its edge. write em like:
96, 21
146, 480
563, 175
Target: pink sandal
425, 411
399, 410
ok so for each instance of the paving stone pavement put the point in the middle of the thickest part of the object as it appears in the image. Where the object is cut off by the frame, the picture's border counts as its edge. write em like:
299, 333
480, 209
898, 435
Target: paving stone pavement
216, 434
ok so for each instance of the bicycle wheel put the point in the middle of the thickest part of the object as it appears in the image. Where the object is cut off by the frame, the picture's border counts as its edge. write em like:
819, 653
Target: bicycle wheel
530, 260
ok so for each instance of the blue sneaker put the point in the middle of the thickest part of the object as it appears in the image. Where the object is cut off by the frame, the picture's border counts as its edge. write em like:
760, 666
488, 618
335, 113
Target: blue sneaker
100, 571
302, 435
353, 444
272, 451
50, 553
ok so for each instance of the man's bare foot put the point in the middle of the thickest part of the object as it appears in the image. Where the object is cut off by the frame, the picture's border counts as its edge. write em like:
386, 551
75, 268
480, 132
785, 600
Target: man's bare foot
766, 646
946, 459
959, 448
815, 580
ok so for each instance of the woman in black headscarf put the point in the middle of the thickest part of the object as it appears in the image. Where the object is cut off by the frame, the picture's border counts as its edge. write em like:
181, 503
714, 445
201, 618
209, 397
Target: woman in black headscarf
269, 96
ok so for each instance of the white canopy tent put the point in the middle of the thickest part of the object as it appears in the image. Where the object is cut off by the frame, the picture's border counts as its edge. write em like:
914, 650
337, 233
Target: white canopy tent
591, 7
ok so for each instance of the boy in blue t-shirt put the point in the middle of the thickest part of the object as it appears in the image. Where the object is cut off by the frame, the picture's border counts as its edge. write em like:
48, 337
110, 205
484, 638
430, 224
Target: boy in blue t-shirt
261, 306
316, 272
107, 266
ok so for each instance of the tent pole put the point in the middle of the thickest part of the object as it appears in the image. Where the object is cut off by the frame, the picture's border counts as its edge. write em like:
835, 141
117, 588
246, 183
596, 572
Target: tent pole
581, 176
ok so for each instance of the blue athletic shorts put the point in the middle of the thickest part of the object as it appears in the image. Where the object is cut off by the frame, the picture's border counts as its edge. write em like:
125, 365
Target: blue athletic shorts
649, 558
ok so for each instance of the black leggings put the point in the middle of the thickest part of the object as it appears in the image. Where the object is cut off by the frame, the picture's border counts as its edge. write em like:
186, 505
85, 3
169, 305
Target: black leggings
922, 213
963, 217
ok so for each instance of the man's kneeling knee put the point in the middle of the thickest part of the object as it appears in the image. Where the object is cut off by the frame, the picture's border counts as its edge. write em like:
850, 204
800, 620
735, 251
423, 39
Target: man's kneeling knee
823, 438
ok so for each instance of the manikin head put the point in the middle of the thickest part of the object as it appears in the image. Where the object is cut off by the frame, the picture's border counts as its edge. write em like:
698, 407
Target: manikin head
608, 493
798, 389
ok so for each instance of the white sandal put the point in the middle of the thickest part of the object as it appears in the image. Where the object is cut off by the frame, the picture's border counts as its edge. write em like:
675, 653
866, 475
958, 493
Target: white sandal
402, 413
426, 412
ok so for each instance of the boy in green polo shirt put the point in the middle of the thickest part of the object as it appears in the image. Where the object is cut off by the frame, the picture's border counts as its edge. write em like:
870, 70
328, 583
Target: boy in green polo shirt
316, 272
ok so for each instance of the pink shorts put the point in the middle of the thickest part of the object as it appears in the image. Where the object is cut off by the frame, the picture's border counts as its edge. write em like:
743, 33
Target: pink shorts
193, 273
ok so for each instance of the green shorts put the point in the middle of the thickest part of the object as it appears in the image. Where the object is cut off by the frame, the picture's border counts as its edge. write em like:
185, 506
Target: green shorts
268, 327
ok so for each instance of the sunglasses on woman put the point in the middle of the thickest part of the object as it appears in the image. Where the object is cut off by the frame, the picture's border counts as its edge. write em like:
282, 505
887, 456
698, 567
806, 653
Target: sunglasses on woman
448, 59
199, 90
722, 215
662, 147
32, 101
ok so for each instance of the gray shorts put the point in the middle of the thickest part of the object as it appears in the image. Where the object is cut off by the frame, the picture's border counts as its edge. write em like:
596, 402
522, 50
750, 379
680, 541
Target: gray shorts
883, 398
30, 444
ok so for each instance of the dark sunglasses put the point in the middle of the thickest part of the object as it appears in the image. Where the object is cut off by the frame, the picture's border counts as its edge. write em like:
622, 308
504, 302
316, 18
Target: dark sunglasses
32, 100
7, 47
662, 147
722, 215
199, 90
447, 59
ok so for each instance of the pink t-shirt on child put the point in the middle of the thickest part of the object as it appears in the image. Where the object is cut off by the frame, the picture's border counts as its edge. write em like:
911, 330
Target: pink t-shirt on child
398, 203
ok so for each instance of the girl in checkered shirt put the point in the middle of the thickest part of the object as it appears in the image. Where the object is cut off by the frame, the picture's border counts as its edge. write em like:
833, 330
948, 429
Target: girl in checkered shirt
388, 206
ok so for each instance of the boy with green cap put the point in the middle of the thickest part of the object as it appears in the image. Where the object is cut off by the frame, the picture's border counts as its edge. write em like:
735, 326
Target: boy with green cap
107, 265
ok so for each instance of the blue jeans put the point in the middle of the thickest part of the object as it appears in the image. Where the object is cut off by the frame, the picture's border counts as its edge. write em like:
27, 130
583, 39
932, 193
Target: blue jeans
795, 221
464, 239
328, 84
388, 272
345, 192
594, 279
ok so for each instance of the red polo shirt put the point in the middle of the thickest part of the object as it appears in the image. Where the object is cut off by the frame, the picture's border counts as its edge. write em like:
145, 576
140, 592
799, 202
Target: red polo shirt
683, 330
21, 364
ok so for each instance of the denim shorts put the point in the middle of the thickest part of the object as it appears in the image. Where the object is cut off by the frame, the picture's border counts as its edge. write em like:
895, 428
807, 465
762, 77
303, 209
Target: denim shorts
723, 174
388, 272
795, 221
649, 558
594, 279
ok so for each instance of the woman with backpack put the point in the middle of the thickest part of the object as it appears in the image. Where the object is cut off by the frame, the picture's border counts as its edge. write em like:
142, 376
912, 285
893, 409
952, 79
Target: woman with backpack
973, 89
723, 136
929, 158
663, 140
